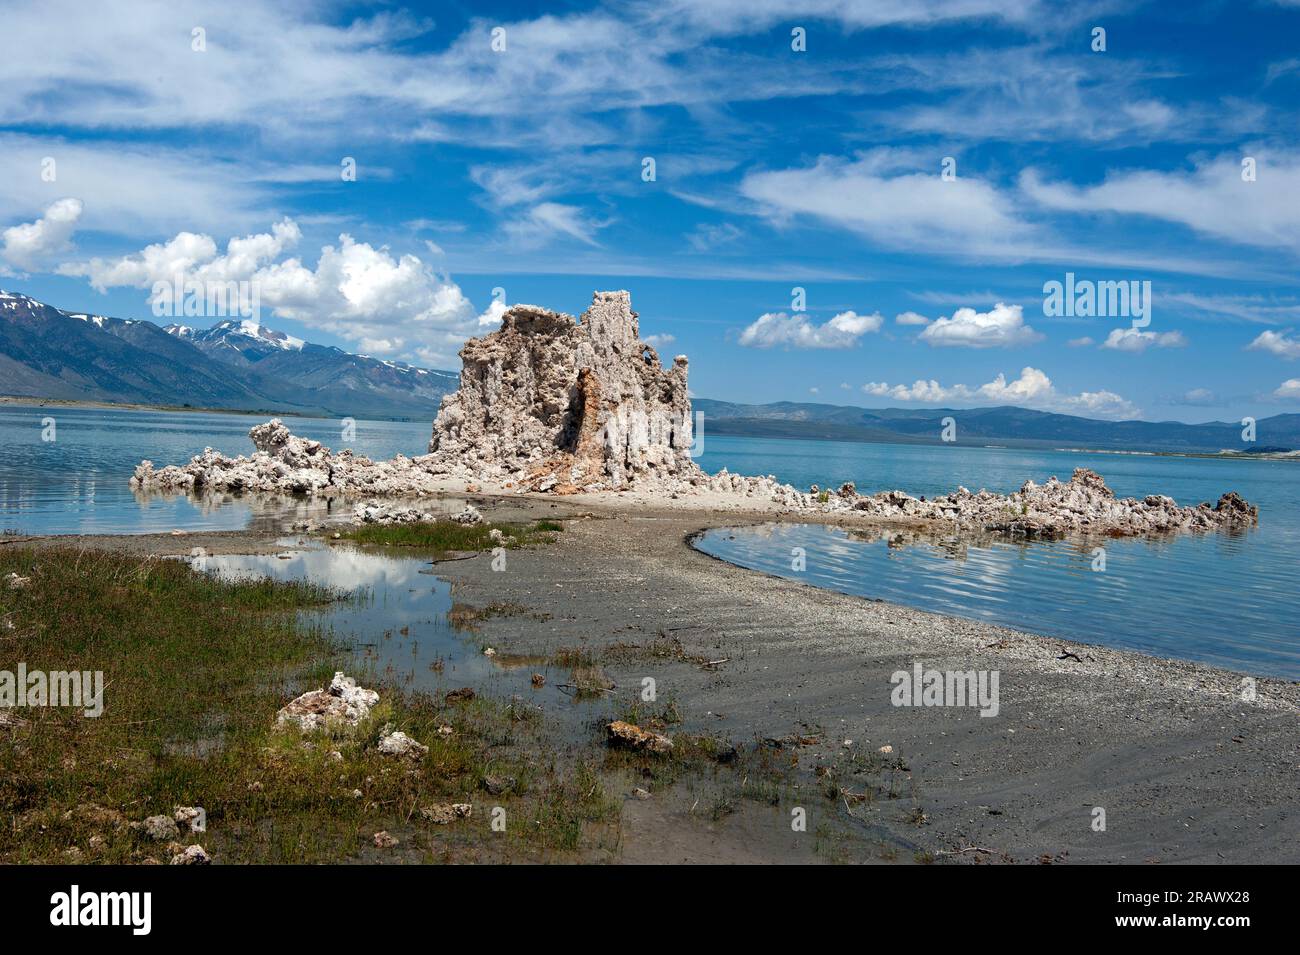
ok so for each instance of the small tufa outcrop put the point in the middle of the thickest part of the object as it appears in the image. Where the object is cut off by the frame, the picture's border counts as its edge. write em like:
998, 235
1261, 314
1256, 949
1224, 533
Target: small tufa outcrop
191, 855
158, 828
342, 706
629, 735
399, 744
443, 814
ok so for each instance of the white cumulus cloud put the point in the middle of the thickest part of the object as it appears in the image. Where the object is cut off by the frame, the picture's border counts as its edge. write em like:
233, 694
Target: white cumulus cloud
1033, 389
387, 304
1279, 343
1135, 340
1288, 389
796, 331
26, 245
1002, 326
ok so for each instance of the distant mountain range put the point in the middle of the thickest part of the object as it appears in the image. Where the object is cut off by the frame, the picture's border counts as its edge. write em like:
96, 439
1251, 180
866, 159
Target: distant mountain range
244, 366
46, 352
1010, 426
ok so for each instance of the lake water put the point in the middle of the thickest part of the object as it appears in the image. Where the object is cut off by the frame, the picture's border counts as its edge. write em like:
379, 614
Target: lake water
1228, 599
1219, 598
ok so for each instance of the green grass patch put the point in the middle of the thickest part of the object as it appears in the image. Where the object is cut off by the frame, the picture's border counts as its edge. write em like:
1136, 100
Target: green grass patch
450, 537
195, 669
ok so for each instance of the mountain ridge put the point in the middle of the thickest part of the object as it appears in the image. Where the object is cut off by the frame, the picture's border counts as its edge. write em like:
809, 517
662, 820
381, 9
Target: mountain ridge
1009, 424
237, 364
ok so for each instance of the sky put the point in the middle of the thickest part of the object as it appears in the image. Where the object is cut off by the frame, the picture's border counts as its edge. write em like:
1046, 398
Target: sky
844, 202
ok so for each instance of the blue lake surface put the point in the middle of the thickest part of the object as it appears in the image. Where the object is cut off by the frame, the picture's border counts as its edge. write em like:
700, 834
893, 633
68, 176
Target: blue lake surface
1232, 600
1229, 600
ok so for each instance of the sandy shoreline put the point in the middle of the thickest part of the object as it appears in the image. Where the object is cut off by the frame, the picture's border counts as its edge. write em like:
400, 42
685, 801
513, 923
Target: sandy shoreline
1185, 770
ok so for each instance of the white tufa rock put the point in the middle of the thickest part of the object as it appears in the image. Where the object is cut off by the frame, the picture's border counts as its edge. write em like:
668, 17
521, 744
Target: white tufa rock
471, 515
192, 817
158, 828
192, 855
399, 744
342, 705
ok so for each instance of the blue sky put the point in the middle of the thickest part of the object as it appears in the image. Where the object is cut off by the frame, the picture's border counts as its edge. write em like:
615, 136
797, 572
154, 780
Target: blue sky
522, 169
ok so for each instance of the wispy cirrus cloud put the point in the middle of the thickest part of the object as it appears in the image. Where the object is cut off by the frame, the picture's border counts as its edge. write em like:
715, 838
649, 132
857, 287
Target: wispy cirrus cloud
1211, 197
882, 195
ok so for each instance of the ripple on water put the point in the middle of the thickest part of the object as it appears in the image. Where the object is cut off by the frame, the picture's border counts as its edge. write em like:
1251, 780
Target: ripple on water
1219, 599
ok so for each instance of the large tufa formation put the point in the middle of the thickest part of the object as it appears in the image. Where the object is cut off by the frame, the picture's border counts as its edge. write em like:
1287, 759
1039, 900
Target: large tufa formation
553, 403
546, 403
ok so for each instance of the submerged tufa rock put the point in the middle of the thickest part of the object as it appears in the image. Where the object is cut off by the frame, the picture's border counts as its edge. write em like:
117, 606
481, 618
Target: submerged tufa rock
623, 733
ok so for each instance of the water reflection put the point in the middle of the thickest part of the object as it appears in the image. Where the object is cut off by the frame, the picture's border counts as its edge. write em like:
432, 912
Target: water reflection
1217, 598
399, 622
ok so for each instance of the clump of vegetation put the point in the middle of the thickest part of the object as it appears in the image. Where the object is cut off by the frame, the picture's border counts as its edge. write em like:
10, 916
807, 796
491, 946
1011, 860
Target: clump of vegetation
589, 682
195, 669
464, 617
445, 537
573, 657
663, 647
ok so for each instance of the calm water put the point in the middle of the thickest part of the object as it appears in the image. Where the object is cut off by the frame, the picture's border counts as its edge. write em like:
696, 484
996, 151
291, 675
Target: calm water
1231, 600
1234, 601
77, 483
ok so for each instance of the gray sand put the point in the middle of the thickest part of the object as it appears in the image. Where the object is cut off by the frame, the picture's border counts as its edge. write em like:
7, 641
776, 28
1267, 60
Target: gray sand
1185, 770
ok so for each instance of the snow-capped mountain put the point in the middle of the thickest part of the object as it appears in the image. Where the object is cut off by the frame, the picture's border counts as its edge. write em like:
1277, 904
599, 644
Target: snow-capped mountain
46, 352
244, 337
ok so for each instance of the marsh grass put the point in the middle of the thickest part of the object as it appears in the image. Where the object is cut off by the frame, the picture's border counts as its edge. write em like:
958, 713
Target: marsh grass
664, 646
195, 668
590, 682
445, 537
466, 617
